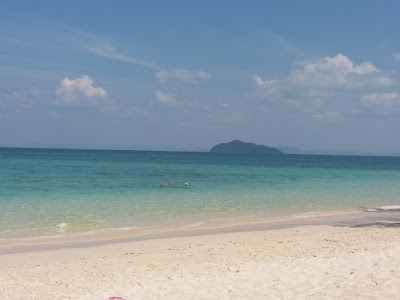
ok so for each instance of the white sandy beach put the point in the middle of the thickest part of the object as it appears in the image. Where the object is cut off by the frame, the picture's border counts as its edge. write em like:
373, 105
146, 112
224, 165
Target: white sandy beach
313, 262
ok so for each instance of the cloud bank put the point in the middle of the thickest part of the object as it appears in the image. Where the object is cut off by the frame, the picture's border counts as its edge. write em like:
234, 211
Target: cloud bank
337, 72
322, 83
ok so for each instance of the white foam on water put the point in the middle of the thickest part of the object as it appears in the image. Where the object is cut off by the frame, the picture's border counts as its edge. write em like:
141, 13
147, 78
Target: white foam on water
371, 210
196, 224
384, 208
390, 207
125, 228
62, 227
306, 215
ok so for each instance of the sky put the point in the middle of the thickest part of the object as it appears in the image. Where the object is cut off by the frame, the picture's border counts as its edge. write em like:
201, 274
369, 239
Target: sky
186, 75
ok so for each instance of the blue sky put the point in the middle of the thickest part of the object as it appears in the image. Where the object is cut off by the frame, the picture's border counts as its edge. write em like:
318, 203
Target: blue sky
186, 75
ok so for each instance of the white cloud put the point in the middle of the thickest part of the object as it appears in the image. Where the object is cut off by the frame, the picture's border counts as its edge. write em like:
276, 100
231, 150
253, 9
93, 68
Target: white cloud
330, 88
80, 91
83, 85
101, 46
396, 56
182, 75
339, 64
382, 104
165, 98
337, 72
269, 86
380, 99
108, 51
263, 83
328, 84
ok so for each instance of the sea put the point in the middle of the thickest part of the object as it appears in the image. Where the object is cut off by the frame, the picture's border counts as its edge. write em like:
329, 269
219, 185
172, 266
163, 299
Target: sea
53, 192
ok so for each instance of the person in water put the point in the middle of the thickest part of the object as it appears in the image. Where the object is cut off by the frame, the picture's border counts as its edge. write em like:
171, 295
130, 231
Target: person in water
186, 185
161, 185
170, 183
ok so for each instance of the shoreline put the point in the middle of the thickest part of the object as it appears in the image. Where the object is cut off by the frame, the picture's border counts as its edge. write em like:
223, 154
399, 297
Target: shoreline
127, 235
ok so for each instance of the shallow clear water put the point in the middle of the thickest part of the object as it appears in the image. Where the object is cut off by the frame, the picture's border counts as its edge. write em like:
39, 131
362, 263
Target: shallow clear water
45, 191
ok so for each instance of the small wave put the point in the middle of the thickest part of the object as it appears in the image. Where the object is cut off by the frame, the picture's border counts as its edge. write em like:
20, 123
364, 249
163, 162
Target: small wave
125, 228
306, 215
383, 208
61, 227
196, 224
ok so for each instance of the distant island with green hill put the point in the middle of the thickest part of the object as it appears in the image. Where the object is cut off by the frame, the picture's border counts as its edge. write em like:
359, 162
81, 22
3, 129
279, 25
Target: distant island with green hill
237, 146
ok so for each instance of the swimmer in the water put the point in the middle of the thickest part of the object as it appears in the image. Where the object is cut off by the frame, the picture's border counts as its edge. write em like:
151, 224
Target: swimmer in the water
186, 185
170, 183
161, 185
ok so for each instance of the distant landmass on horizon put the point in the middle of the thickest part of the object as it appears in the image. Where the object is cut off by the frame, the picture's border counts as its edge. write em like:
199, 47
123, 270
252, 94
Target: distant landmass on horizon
237, 146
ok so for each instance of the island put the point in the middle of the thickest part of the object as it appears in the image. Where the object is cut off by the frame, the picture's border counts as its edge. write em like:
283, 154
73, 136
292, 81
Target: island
237, 146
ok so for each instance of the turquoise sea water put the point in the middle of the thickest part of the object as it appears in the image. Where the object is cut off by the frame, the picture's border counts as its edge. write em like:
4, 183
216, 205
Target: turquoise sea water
50, 191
